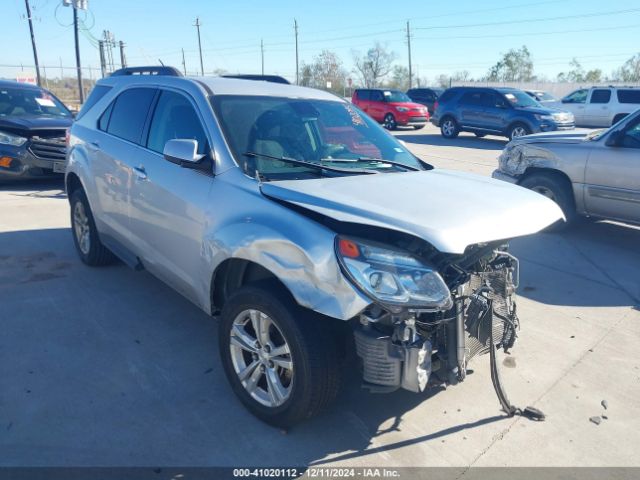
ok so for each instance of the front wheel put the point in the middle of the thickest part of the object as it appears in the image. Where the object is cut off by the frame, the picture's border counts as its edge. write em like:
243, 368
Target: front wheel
518, 130
418, 127
390, 122
282, 361
557, 189
85, 234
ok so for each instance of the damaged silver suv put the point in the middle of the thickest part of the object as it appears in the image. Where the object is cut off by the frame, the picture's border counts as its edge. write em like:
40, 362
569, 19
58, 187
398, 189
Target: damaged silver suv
306, 226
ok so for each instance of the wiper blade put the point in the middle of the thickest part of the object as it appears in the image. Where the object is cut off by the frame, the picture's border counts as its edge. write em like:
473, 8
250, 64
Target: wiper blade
304, 163
390, 162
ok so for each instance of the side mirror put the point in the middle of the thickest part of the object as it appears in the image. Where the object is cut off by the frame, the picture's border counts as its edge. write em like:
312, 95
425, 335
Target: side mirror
184, 152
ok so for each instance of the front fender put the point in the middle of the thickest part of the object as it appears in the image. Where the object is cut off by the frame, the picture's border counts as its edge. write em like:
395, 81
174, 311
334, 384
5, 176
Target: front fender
516, 159
303, 259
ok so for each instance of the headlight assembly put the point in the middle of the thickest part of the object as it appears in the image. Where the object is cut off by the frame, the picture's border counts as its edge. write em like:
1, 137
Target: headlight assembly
544, 118
11, 139
392, 277
402, 109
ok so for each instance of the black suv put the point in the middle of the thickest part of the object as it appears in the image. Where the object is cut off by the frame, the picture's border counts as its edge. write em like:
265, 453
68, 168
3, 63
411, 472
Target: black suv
507, 112
425, 96
33, 126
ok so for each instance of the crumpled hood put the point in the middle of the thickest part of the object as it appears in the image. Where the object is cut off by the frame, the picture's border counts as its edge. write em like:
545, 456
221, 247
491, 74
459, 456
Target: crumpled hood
448, 209
558, 136
33, 123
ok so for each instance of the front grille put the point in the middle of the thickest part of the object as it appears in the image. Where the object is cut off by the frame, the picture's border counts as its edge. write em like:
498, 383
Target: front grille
417, 119
48, 148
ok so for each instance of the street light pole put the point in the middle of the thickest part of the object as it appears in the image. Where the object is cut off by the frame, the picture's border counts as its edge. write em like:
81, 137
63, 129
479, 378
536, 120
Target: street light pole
33, 42
197, 25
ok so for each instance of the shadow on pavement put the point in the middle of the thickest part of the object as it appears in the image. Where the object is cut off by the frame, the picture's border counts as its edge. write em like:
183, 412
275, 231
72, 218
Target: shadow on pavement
109, 366
464, 140
590, 264
51, 187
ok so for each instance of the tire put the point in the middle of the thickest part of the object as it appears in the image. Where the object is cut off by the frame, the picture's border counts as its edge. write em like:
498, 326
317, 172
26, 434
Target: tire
480, 135
557, 189
390, 122
449, 128
85, 235
314, 355
518, 130
418, 127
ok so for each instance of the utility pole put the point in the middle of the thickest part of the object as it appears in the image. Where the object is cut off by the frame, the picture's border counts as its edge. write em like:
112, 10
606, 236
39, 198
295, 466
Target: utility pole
33, 42
295, 28
409, 49
262, 54
103, 66
75, 30
197, 25
184, 64
123, 58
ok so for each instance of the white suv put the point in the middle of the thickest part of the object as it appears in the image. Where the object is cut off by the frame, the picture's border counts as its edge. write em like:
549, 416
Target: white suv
601, 106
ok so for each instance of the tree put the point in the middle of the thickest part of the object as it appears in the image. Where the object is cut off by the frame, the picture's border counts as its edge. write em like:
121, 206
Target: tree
515, 66
373, 66
577, 74
630, 71
326, 67
399, 77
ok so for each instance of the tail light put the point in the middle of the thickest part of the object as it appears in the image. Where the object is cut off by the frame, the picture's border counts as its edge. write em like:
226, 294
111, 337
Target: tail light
435, 105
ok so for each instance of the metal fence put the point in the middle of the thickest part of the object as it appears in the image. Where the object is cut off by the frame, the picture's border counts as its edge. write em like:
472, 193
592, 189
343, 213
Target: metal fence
557, 89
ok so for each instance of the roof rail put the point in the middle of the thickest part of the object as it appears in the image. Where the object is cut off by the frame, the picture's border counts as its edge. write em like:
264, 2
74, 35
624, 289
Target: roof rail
152, 70
264, 78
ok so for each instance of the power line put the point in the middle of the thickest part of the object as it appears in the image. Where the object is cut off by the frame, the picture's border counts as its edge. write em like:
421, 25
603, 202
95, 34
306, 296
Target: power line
531, 20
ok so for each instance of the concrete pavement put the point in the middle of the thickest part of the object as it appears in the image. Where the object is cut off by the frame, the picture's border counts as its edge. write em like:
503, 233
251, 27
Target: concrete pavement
107, 366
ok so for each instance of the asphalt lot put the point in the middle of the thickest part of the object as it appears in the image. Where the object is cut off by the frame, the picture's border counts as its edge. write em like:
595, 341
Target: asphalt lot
110, 367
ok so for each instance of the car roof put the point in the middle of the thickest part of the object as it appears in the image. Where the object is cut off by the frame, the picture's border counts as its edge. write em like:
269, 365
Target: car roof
225, 86
11, 83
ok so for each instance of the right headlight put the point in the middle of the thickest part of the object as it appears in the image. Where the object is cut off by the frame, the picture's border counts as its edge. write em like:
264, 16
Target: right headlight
392, 277
7, 138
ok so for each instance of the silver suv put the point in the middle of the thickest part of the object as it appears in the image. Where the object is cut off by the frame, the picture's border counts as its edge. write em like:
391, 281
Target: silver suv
306, 226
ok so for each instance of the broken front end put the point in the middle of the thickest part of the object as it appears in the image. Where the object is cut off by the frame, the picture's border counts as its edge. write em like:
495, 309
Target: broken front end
433, 312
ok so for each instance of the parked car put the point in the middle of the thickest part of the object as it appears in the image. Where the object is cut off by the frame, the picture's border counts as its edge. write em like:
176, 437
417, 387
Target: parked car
601, 106
310, 230
495, 111
33, 124
425, 96
594, 174
544, 98
391, 108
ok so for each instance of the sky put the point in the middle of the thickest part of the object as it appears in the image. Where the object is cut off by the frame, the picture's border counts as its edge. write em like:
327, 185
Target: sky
446, 36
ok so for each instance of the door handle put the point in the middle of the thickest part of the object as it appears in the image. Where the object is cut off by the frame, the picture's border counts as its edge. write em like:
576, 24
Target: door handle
93, 146
140, 172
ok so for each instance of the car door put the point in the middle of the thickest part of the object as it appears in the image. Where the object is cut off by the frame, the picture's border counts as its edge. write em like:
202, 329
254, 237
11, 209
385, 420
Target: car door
113, 152
471, 109
613, 174
575, 103
377, 105
168, 202
598, 108
496, 110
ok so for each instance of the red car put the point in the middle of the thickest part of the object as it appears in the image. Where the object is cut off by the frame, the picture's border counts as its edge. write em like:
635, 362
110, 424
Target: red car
391, 107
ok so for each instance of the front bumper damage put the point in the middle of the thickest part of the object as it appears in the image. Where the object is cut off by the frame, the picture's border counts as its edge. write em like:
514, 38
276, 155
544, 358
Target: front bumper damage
416, 349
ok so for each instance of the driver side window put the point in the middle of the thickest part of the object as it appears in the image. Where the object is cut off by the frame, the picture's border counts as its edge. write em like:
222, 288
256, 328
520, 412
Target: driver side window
631, 137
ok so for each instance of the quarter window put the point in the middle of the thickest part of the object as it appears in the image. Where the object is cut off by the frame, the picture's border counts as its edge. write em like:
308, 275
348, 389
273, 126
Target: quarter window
600, 96
175, 117
129, 113
629, 96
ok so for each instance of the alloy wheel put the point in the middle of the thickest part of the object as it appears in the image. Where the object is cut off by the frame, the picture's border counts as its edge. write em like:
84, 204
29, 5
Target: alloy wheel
518, 132
448, 128
261, 358
81, 228
390, 122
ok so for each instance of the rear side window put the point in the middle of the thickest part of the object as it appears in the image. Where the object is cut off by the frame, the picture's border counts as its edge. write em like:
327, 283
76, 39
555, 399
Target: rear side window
629, 96
130, 112
363, 95
96, 94
472, 98
175, 117
601, 96
446, 96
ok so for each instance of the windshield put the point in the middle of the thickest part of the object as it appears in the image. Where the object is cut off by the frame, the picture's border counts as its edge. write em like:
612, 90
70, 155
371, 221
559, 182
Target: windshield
544, 96
395, 96
23, 102
329, 133
518, 98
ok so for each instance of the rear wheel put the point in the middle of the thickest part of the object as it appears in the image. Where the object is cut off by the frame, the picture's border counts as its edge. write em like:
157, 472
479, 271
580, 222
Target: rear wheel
390, 122
480, 135
281, 360
449, 128
518, 130
418, 127
557, 189
85, 235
